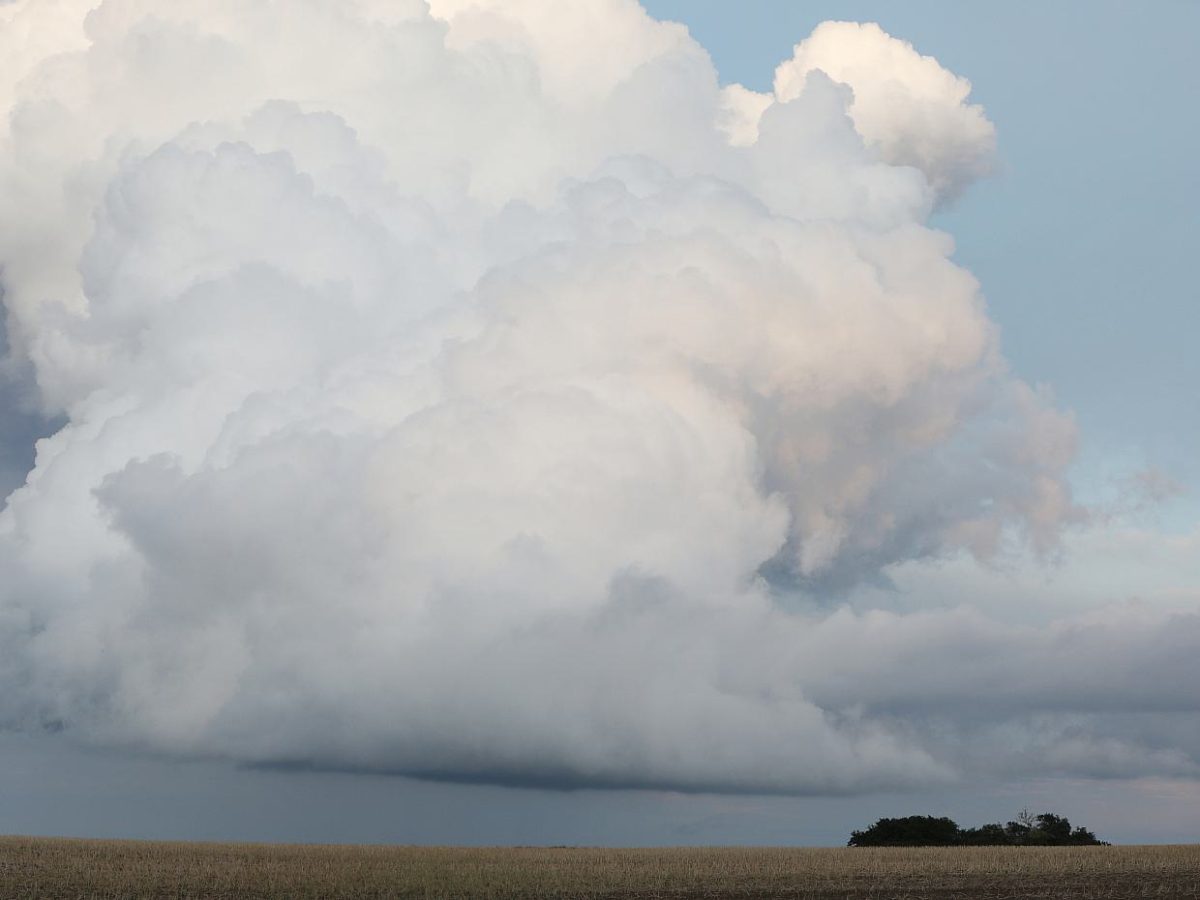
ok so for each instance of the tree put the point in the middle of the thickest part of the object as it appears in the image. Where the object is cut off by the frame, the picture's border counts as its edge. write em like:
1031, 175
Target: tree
1047, 830
1051, 830
1081, 836
910, 831
984, 836
1017, 833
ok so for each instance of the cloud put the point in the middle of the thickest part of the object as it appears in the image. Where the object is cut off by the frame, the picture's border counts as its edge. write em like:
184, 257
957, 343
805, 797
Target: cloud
478, 405
907, 108
906, 104
22, 425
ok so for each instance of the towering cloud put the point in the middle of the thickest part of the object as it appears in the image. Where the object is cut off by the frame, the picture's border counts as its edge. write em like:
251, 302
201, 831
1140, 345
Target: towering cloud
478, 390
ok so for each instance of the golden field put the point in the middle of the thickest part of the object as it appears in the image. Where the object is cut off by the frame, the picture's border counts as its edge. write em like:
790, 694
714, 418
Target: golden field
54, 868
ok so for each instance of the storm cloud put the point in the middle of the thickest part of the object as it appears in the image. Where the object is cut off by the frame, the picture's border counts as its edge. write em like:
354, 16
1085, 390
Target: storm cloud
481, 391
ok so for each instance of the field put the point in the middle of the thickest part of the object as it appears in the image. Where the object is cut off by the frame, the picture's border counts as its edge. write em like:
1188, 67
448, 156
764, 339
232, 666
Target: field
45, 868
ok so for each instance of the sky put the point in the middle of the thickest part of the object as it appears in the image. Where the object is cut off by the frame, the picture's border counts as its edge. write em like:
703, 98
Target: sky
558, 427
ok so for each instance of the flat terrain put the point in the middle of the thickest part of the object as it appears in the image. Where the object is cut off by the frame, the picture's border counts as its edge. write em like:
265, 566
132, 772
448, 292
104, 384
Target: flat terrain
45, 868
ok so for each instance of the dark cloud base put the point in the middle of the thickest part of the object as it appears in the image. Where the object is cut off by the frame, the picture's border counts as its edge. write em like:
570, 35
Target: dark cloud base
542, 780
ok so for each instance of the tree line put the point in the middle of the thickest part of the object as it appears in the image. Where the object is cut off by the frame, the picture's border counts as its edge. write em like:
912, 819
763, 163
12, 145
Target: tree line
1045, 830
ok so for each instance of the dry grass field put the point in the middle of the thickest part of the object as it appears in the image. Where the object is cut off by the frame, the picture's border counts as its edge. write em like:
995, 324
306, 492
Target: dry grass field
45, 868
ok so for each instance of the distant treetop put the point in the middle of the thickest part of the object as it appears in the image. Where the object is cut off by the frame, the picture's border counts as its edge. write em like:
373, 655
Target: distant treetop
1045, 830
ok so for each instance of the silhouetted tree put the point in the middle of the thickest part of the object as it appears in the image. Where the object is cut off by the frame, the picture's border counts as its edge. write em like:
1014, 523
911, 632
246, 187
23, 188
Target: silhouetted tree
1047, 829
1051, 830
984, 836
910, 831
1082, 837
1017, 833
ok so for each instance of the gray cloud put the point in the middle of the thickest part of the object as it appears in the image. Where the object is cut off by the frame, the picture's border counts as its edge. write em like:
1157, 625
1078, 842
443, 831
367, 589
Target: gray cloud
475, 409
21, 424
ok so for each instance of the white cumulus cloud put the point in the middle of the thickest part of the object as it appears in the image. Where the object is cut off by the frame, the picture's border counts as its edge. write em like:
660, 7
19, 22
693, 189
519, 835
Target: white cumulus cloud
479, 390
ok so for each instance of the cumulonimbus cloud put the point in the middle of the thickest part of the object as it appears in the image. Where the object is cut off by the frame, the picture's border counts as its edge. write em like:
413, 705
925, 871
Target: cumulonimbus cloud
461, 390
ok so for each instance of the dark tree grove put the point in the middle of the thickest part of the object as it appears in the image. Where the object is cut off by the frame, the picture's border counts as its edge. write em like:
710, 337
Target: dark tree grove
1046, 830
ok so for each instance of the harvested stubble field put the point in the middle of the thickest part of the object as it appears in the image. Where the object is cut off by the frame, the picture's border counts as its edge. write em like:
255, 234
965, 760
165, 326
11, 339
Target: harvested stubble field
46, 868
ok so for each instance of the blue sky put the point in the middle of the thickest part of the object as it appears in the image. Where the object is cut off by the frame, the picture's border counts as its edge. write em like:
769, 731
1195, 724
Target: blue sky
1084, 242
